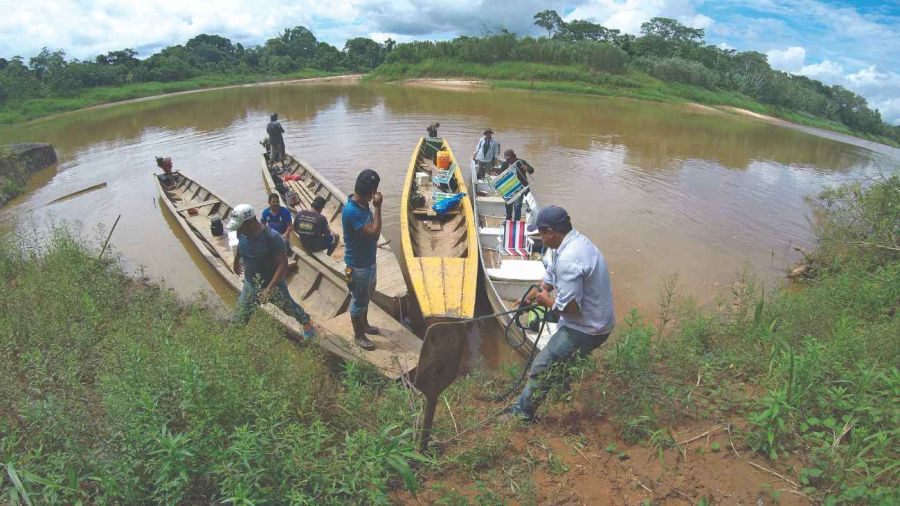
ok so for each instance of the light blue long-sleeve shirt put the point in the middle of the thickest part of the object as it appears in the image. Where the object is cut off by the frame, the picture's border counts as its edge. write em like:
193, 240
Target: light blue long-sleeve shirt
579, 273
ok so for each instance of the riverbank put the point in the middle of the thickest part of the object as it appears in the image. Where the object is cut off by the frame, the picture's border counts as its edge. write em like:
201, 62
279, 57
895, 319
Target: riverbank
125, 393
26, 110
580, 80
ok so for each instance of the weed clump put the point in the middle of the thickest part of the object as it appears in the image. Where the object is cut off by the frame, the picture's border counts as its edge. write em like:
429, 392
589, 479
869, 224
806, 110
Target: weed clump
119, 392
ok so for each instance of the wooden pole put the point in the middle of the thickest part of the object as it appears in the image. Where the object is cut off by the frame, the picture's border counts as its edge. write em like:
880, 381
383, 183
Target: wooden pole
106, 242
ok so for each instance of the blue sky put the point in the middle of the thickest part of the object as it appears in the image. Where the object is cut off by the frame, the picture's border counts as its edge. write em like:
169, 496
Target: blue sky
855, 44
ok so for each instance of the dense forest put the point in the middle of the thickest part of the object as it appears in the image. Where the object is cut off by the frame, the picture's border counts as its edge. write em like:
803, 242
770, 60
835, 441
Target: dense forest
665, 50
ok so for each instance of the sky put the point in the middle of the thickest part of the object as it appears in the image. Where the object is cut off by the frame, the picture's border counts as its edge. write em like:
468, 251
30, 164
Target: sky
854, 44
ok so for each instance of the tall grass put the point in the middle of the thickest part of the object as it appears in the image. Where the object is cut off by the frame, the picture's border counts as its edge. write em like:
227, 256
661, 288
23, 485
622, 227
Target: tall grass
824, 359
24, 110
115, 391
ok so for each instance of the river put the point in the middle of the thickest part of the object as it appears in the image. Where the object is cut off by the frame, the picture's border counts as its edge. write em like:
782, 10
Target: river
661, 189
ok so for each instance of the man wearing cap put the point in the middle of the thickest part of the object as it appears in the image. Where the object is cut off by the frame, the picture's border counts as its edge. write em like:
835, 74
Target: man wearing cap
486, 152
362, 228
522, 168
265, 263
576, 286
312, 228
276, 140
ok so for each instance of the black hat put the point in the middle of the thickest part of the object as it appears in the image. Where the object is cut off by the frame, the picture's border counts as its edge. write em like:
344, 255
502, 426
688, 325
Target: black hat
552, 217
366, 182
488, 131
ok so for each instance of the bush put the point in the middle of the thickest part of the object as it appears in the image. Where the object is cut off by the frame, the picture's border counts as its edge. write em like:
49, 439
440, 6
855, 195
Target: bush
119, 392
678, 70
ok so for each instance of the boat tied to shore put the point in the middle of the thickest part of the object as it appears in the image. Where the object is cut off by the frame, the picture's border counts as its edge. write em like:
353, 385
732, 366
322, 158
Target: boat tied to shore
300, 185
440, 246
322, 293
511, 261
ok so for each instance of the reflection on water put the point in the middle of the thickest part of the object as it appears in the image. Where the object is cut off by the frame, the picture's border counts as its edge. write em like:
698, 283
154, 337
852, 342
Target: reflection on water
661, 189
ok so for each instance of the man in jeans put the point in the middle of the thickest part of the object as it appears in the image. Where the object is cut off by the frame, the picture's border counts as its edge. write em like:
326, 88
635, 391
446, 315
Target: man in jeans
362, 228
265, 265
583, 301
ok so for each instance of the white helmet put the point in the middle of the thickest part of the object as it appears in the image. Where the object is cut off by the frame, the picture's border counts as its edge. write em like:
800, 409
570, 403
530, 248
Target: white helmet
239, 215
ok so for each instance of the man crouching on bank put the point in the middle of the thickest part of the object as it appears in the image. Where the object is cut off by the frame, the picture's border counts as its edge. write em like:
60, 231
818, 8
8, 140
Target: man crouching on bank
582, 299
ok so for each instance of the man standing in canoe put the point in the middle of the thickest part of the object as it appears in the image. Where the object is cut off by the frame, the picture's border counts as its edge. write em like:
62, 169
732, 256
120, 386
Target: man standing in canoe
486, 153
522, 168
362, 228
276, 140
265, 264
583, 301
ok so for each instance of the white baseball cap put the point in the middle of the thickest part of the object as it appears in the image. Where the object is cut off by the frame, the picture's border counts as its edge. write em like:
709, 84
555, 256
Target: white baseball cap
239, 215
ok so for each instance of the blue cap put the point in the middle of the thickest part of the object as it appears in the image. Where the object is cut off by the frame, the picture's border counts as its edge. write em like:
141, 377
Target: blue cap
553, 217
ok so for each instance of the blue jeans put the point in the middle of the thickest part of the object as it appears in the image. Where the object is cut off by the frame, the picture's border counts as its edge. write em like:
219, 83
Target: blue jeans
362, 286
565, 345
281, 298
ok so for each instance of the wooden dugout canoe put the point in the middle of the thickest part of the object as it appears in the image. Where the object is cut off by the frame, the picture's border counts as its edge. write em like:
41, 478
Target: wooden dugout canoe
390, 289
322, 294
506, 277
440, 251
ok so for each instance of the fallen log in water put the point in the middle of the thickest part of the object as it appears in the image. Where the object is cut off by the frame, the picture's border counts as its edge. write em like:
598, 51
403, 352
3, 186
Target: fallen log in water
79, 192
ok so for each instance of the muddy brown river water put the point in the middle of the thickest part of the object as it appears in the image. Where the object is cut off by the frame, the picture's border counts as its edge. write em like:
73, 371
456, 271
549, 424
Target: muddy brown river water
661, 189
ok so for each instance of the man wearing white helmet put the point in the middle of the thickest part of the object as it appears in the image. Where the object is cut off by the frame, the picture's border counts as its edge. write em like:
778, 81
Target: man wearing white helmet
265, 264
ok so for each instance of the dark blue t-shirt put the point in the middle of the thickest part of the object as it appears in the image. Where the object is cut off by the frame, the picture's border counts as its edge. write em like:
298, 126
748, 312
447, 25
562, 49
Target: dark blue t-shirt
280, 222
359, 249
258, 254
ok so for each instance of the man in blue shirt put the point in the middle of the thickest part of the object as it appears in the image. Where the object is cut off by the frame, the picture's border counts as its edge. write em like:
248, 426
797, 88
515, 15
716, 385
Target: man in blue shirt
265, 263
362, 228
278, 217
583, 302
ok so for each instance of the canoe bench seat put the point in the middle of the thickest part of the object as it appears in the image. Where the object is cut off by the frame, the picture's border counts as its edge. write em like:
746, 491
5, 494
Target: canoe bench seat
518, 270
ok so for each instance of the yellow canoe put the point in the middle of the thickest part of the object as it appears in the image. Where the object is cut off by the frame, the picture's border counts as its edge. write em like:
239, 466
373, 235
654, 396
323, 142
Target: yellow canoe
440, 251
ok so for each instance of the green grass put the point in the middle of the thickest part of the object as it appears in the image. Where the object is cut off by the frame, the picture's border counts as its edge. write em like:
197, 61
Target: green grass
581, 80
825, 358
115, 391
25, 110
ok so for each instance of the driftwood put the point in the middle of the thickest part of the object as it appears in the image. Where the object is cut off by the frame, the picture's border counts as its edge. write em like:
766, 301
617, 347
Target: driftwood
78, 193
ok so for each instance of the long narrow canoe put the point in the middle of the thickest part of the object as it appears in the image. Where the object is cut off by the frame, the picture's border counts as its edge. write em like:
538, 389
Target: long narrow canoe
506, 277
322, 294
390, 290
440, 251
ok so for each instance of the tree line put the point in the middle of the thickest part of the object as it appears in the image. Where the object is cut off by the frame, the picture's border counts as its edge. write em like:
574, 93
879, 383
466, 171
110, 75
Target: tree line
664, 49
51, 73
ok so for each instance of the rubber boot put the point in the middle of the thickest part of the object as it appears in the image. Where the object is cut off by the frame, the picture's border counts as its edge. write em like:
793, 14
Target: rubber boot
369, 329
359, 335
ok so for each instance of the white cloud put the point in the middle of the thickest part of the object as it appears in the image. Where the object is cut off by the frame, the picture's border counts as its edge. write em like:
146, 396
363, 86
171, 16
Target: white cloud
788, 60
628, 16
824, 70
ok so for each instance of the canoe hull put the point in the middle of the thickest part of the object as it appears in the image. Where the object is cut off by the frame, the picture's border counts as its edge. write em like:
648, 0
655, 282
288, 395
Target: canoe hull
489, 211
391, 292
321, 293
440, 251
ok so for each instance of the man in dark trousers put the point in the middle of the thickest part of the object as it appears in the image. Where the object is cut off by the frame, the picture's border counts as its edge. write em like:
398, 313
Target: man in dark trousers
276, 139
312, 228
262, 258
522, 168
583, 301
362, 228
